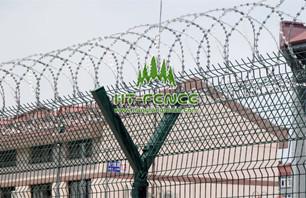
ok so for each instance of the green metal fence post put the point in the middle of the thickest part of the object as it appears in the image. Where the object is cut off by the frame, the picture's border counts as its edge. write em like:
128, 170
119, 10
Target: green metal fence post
124, 139
140, 185
139, 163
116, 125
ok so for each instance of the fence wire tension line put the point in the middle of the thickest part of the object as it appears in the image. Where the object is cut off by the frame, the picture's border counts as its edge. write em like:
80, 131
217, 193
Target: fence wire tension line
163, 110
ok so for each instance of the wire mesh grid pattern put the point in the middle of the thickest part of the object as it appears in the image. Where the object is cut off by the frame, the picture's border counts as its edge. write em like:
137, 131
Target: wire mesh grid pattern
245, 140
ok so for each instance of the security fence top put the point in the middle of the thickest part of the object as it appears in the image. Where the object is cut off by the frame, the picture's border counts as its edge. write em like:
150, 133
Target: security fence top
219, 82
193, 40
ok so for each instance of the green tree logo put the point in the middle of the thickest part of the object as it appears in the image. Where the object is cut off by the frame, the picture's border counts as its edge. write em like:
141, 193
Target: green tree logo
151, 73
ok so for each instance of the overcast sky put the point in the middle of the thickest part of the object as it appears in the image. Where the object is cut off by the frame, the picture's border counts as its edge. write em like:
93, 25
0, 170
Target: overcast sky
34, 26
38, 26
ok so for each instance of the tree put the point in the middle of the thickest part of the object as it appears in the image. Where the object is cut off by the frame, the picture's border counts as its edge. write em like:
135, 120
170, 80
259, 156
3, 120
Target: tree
153, 70
163, 72
171, 77
145, 74
139, 79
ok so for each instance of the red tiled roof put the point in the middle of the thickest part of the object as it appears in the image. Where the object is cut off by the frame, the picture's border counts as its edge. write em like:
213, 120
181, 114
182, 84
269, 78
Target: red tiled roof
293, 32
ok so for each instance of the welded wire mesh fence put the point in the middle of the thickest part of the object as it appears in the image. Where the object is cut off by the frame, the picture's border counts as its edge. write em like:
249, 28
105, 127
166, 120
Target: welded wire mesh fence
245, 139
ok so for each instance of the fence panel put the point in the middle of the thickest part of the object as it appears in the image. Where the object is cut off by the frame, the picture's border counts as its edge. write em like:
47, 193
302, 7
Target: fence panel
245, 139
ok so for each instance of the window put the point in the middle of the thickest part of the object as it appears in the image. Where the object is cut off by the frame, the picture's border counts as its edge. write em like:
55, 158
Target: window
288, 196
6, 192
79, 149
41, 191
8, 158
289, 182
42, 154
285, 181
79, 189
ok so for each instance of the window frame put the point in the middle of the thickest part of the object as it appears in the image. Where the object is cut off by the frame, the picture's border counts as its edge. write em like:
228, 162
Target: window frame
41, 150
8, 160
41, 188
8, 191
74, 149
283, 182
288, 196
78, 182
289, 182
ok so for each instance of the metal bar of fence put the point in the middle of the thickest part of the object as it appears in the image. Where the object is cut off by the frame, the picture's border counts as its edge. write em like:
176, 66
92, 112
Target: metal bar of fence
125, 141
151, 148
120, 132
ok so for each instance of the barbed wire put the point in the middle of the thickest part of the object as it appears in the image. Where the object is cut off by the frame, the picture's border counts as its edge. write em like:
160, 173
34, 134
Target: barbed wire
198, 40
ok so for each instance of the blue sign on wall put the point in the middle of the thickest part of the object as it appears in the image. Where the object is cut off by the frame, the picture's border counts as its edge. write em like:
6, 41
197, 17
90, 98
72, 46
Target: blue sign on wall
113, 167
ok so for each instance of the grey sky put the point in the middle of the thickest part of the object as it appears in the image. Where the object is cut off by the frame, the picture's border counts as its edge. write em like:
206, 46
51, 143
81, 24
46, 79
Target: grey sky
38, 26
35, 26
